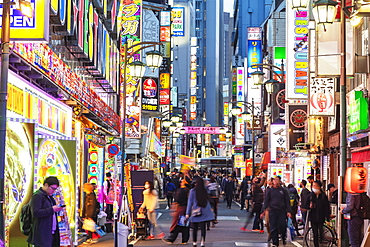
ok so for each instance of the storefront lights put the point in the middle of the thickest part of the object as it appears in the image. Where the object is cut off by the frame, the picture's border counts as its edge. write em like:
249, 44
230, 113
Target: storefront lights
137, 69
257, 77
154, 59
299, 4
269, 85
324, 11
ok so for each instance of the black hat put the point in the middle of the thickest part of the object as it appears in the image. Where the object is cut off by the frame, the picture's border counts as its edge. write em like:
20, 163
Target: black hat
330, 186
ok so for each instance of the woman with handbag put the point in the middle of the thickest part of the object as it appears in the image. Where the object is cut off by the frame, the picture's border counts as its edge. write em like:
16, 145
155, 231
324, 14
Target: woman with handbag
150, 203
199, 210
90, 212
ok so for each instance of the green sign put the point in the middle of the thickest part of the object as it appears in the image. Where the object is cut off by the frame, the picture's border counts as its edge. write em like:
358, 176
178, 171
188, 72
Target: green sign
234, 80
358, 112
279, 53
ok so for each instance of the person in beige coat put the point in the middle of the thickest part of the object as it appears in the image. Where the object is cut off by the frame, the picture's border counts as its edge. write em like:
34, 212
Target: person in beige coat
150, 203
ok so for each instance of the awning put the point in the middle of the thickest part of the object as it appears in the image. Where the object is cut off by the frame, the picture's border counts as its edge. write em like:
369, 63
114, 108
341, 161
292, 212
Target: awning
361, 155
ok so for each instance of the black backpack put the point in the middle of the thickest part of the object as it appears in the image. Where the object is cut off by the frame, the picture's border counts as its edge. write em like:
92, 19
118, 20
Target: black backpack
25, 219
364, 210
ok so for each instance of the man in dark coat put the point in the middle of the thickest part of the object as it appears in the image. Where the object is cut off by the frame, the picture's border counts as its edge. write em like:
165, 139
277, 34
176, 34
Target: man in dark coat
45, 231
333, 194
356, 222
229, 188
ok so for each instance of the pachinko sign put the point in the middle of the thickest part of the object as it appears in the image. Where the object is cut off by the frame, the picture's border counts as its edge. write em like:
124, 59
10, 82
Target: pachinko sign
322, 97
297, 57
130, 27
150, 96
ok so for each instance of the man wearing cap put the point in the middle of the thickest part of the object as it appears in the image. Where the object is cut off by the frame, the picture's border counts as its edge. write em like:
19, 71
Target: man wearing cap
334, 194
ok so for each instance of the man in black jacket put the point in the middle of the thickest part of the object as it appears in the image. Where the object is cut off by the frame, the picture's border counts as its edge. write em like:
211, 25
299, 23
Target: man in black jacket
277, 200
304, 195
356, 222
45, 231
334, 194
229, 188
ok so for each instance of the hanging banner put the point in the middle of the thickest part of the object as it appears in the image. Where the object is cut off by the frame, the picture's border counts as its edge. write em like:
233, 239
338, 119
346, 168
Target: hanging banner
297, 57
150, 96
178, 21
322, 102
254, 52
130, 16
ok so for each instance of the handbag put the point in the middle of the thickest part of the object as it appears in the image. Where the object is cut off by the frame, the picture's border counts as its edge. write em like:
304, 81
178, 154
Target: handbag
290, 231
89, 225
196, 212
182, 221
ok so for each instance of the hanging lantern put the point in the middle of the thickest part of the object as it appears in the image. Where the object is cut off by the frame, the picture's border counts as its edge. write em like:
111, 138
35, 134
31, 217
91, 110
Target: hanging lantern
257, 77
299, 4
154, 59
137, 69
324, 11
355, 180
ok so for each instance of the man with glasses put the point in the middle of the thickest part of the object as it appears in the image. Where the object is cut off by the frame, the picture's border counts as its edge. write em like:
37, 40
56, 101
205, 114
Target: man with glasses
45, 231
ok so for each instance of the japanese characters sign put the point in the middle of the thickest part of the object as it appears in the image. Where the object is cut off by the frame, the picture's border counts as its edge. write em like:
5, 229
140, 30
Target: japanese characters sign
178, 21
193, 78
322, 97
254, 48
130, 16
358, 111
297, 58
202, 130
150, 95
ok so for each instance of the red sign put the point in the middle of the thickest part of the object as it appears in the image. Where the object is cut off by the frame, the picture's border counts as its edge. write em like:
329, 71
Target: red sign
113, 149
164, 97
165, 34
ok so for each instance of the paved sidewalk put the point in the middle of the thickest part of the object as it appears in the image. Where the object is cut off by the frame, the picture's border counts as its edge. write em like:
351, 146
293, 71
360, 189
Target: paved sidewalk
225, 233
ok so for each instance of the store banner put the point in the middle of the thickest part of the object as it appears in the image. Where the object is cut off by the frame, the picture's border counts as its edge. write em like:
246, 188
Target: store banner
240, 96
297, 55
277, 139
193, 78
322, 101
234, 82
28, 29
131, 14
150, 94
165, 34
239, 161
358, 111
226, 113
165, 18
178, 21
297, 115
254, 52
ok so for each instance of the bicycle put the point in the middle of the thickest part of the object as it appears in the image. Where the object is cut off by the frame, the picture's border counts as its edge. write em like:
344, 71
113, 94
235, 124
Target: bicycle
330, 238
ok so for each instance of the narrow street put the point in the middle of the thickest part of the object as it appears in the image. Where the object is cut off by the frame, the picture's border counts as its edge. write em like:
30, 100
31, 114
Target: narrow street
225, 233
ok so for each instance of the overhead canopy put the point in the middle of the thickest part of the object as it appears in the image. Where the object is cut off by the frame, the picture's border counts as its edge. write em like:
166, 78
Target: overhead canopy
361, 155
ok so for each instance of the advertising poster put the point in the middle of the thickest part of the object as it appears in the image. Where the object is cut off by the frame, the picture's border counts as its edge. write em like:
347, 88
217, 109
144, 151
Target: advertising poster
178, 21
131, 11
58, 158
19, 167
297, 122
275, 169
277, 139
322, 102
239, 161
150, 94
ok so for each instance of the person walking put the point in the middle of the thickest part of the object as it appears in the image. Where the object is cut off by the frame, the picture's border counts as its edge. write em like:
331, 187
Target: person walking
355, 223
294, 201
150, 203
179, 210
318, 204
229, 188
90, 211
108, 192
45, 230
277, 201
199, 210
170, 191
214, 192
243, 192
304, 195
333, 194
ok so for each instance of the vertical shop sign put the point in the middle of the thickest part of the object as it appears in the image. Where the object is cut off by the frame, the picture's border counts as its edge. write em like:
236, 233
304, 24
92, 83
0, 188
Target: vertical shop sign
239, 131
93, 166
239, 161
150, 95
130, 15
297, 57
165, 18
277, 139
254, 48
297, 122
358, 111
234, 81
193, 78
321, 101
178, 21
226, 113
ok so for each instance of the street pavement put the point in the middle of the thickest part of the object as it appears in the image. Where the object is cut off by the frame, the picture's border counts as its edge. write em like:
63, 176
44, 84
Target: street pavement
225, 233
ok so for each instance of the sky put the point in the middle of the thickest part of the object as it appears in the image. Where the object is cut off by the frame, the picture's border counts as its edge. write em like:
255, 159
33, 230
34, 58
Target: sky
229, 6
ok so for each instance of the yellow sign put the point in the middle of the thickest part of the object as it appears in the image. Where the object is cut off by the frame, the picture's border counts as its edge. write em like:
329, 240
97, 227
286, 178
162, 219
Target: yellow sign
36, 28
165, 80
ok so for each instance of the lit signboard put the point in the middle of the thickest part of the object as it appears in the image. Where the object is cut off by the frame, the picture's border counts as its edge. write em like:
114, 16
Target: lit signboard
178, 21
322, 101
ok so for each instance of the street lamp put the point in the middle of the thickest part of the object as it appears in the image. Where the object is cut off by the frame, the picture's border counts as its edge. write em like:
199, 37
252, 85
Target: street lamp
299, 4
154, 59
228, 134
257, 77
166, 123
5, 40
176, 134
235, 110
179, 124
222, 130
269, 85
137, 69
175, 118
324, 11
182, 131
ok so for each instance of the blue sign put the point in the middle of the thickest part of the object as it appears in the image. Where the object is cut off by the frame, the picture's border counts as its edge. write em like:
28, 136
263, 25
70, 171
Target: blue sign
254, 54
113, 149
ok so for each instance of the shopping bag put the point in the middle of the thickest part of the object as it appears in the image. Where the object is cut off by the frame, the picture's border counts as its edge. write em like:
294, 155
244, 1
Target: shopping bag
183, 221
100, 232
290, 231
89, 225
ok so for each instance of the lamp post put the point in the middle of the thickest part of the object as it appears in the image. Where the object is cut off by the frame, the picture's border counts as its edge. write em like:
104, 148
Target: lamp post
324, 13
137, 69
27, 10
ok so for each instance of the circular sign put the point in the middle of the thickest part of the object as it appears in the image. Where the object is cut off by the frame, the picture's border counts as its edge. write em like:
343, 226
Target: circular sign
113, 149
298, 118
150, 88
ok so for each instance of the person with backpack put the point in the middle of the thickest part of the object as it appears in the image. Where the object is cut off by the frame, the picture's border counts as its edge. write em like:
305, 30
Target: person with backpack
44, 230
356, 222
294, 200
90, 210
214, 193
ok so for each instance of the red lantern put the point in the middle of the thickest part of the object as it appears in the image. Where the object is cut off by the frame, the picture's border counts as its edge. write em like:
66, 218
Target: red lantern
355, 180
